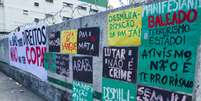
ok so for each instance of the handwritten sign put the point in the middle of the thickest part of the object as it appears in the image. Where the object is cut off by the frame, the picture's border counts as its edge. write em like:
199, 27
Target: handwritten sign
114, 90
124, 27
69, 41
88, 41
170, 68
152, 94
120, 63
82, 69
50, 62
168, 53
54, 41
27, 48
62, 63
82, 91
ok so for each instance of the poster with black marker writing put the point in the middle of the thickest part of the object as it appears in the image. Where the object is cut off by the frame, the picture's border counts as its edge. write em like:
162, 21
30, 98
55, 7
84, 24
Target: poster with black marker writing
83, 69
62, 65
120, 63
88, 41
54, 41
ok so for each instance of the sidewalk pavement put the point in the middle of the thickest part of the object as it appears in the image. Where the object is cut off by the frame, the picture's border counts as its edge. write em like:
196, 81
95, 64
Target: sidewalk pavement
11, 90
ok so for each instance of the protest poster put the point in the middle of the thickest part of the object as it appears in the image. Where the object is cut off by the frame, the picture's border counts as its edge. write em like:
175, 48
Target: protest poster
124, 27
88, 41
68, 41
27, 48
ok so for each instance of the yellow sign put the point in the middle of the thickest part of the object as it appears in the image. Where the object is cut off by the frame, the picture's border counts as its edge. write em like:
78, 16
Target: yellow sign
124, 27
69, 41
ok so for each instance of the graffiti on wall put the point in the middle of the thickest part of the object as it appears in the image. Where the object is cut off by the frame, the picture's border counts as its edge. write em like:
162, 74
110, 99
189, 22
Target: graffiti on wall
27, 48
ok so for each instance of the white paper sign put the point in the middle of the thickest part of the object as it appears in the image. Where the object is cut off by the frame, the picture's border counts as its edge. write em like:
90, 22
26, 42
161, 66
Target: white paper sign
27, 48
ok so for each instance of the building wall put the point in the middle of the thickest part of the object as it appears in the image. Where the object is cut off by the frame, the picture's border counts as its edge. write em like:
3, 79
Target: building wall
2, 18
102, 3
14, 15
4, 56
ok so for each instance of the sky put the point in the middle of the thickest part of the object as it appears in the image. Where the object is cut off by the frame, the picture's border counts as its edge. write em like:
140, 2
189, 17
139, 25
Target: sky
116, 3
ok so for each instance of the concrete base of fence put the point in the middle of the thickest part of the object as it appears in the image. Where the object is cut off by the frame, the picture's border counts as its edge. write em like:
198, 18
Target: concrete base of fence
33, 83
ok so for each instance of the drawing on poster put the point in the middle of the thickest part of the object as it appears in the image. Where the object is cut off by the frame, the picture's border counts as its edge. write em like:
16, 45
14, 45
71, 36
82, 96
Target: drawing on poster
68, 41
54, 41
124, 27
82, 68
62, 65
88, 41
120, 63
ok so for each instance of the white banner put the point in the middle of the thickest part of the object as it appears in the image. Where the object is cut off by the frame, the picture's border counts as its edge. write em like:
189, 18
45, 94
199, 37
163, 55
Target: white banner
27, 48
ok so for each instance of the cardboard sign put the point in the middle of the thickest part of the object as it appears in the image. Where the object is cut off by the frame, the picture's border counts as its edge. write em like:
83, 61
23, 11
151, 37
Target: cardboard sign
124, 27
120, 63
83, 69
145, 93
54, 41
88, 41
114, 90
27, 48
82, 91
69, 41
62, 63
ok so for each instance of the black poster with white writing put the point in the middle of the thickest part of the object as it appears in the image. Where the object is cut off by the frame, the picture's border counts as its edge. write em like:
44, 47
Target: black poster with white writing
62, 64
88, 41
83, 69
145, 93
120, 63
54, 42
